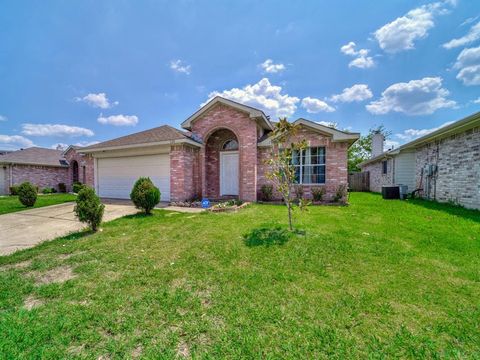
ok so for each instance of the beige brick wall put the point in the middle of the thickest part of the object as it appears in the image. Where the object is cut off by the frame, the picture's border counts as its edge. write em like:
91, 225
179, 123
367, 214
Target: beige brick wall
458, 176
377, 178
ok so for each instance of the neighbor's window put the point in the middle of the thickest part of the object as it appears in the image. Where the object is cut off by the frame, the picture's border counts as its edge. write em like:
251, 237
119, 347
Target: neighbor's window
230, 145
384, 167
309, 165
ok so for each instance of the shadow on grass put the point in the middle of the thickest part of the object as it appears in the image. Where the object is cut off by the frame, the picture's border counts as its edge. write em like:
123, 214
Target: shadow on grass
267, 236
469, 214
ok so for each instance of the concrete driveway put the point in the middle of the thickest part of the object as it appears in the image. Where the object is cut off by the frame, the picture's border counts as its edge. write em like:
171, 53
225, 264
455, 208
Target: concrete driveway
28, 228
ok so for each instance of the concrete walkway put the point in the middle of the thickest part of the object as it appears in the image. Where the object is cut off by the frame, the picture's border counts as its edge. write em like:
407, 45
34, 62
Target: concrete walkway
25, 229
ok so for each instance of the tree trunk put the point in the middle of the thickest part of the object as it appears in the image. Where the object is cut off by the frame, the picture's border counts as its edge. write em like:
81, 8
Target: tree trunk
289, 207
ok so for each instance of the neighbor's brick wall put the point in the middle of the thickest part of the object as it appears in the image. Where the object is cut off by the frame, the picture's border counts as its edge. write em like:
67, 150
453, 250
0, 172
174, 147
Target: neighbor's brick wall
42, 176
84, 161
245, 129
458, 161
184, 172
377, 178
336, 172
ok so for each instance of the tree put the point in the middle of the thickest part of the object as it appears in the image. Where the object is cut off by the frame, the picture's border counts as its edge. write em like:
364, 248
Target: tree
27, 194
145, 195
281, 169
89, 209
361, 150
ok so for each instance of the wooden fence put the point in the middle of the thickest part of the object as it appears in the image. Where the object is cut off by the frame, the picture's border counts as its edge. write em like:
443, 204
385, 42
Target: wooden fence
359, 181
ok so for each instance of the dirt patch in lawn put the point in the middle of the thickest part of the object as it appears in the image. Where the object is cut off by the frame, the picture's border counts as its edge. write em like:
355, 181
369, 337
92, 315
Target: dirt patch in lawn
137, 352
76, 350
32, 302
183, 350
68, 256
57, 275
20, 265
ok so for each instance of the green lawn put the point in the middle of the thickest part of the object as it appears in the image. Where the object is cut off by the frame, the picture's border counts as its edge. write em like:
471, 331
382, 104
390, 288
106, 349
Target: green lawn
375, 279
9, 204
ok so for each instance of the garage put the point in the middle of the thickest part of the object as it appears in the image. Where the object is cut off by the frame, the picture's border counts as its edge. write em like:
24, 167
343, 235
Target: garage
116, 176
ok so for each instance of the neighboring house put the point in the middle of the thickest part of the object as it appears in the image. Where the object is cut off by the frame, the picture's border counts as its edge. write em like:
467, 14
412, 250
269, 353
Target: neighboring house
444, 164
222, 154
44, 168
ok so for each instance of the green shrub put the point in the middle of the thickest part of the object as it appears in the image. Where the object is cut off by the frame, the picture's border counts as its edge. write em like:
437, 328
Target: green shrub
77, 186
298, 191
145, 195
27, 194
62, 187
47, 190
14, 190
341, 193
266, 192
89, 209
318, 192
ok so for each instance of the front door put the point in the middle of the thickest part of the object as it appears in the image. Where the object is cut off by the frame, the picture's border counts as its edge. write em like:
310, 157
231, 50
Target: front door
229, 173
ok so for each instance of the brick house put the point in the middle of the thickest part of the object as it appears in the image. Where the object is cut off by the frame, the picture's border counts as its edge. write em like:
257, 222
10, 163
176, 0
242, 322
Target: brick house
220, 154
45, 168
444, 164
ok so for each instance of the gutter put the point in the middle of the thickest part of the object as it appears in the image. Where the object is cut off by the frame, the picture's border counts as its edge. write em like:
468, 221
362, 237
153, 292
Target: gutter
134, 146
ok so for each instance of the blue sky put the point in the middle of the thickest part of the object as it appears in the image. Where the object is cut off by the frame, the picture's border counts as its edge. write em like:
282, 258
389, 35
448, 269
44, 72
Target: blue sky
76, 72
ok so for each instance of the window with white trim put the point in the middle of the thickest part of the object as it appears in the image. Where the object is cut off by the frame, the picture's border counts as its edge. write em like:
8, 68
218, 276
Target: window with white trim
309, 165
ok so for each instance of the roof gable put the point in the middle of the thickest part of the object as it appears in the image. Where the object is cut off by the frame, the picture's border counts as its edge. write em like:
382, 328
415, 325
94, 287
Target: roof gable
336, 135
252, 112
156, 136
35, 156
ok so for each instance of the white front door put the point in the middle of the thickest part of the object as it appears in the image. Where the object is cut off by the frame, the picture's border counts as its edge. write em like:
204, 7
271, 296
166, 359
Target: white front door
229, 173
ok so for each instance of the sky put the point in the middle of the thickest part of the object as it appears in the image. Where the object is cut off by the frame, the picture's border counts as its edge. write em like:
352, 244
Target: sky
80, 72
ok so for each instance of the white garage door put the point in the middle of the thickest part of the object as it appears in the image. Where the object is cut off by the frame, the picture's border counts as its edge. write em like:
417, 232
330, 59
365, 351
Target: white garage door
3, 191
116, 176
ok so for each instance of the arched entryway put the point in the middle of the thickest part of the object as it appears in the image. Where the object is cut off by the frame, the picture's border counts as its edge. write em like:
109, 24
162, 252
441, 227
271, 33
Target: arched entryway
222, 170
74, 171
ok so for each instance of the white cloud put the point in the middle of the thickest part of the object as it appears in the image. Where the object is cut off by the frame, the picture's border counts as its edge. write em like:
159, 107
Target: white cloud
358, 92
86, 143
13, 142
468, 64
471, 36
477, 101
362, 60
331, 124
314, 106
99, 100
411, 134
3, 118
180, 67
118, 120
55, 130
59, 146
402, 33
417, 97
469, 20
269, 67
390, 144
64, 146
262, 95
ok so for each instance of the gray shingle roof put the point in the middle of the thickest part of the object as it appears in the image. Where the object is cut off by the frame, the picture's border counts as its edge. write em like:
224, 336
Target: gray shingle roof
161, 133
35, 156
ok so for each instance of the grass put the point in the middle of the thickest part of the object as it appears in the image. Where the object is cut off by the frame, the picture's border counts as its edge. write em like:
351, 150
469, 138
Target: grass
9, 204
376, 279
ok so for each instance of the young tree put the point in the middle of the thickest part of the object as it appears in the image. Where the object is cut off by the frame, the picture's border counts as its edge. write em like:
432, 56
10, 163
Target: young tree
361, 150
145, 195
281, 169
89, 209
